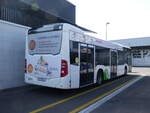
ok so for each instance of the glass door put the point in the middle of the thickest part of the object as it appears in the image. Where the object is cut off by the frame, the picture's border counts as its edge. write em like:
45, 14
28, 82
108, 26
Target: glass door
113, 64
86, 64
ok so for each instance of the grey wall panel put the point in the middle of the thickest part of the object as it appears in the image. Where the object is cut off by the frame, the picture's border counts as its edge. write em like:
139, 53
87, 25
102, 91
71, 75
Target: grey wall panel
12, 55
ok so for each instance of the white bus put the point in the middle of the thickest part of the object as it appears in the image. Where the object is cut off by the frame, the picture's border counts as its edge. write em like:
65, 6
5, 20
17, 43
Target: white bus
63, 56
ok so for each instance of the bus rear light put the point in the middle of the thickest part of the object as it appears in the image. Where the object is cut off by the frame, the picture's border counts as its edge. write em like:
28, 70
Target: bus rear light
64, 68
30, 68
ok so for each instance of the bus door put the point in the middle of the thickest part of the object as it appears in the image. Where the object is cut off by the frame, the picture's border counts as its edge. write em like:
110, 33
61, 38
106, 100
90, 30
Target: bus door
86, 64
129, 60
113, 64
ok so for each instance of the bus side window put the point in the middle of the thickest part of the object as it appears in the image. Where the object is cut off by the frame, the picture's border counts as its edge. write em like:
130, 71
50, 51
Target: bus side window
74, 58
121, 57
102, 56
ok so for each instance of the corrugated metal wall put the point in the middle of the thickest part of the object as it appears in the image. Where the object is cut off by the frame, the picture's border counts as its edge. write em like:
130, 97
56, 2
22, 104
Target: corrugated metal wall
12, 15
34, 13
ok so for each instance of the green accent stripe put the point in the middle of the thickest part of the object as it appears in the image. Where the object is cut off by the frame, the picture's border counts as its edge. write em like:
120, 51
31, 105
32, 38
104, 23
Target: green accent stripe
105, 77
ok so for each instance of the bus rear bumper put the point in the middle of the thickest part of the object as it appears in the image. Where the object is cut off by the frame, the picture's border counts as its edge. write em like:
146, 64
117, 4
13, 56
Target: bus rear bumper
53, 83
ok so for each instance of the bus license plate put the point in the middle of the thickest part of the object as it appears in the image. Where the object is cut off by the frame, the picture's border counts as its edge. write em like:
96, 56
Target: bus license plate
42, 79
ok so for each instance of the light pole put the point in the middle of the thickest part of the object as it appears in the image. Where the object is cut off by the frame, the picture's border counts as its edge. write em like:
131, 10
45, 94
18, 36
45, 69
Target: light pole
106, 29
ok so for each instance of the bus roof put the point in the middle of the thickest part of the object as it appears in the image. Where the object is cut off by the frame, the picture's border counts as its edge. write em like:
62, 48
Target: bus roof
48, 25
106, 44
89, 39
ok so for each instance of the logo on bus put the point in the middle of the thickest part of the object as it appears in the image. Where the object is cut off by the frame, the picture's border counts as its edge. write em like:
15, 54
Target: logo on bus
42, 67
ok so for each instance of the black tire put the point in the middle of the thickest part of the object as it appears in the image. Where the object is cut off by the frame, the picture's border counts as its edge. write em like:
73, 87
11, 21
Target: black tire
99, 77
125, 71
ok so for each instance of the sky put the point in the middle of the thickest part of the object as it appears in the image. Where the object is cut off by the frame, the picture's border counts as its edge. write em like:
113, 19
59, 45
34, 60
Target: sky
127, 18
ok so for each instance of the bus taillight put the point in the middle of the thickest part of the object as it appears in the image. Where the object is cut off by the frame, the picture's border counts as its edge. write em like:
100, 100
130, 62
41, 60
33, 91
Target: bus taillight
64, 68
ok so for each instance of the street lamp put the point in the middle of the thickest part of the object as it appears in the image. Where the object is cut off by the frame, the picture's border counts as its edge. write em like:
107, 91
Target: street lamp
106, 29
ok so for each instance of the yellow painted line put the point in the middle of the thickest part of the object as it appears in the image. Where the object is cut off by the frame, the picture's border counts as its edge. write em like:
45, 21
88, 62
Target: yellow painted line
72, 97
99, 98
143, 74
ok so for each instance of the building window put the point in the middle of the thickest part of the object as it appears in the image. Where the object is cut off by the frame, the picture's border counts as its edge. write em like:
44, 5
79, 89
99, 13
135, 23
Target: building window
146, 53
137, 54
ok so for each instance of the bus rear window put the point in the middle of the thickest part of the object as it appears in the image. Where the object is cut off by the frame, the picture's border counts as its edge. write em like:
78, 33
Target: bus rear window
45, 43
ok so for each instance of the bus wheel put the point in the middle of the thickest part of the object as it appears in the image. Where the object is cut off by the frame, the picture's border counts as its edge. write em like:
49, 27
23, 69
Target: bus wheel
125, 71
99, 76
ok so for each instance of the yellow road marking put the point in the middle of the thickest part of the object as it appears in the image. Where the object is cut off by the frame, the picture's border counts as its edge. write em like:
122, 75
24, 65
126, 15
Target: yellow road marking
99, 98
69, 98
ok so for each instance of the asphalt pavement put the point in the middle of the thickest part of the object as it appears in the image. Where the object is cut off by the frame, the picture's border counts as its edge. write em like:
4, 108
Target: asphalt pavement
135, 99
36, 99
48, 100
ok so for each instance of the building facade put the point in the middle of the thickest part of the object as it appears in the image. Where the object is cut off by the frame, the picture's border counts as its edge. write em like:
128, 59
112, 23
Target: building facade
140, 48
13, 15
35, 13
